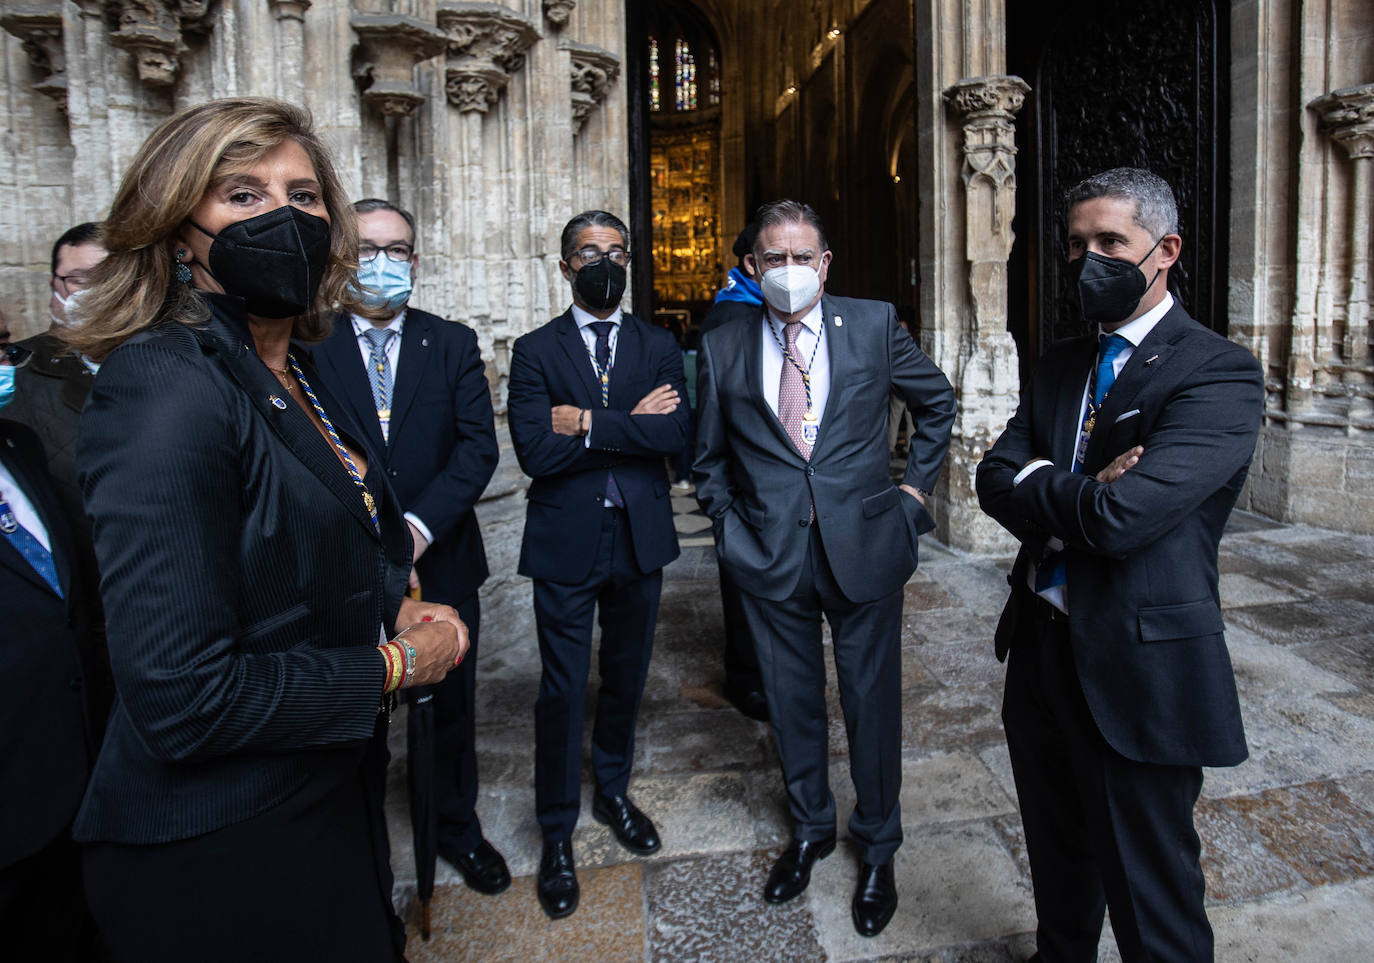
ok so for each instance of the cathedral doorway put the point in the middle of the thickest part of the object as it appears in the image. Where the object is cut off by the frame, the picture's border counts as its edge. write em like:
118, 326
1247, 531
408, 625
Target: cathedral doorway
1140, 85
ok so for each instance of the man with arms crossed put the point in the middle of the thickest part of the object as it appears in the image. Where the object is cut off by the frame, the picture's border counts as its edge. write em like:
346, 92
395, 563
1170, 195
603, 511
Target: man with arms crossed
1117, 474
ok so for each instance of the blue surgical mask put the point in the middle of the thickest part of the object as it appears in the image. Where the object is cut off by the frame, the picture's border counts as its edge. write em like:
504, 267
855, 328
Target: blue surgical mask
384, 283
6, 384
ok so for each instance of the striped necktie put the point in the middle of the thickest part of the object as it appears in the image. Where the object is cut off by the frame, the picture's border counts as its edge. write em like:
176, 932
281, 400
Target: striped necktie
602, 330
379, 374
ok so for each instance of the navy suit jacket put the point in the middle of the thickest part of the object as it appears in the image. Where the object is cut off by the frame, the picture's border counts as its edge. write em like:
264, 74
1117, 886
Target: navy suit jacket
51, 682
550, 366
441, 450
1144, 608
245, 584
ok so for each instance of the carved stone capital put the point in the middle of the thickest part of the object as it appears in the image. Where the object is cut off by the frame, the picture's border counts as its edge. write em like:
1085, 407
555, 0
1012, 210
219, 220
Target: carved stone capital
289, 9
389, 47
39, 26
154, 32
988, 106
593, 72
486, 44
1000, 96
1347, 115
557, 12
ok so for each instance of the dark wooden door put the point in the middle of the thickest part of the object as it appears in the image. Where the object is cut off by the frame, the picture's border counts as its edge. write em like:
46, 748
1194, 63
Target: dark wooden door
1139, 84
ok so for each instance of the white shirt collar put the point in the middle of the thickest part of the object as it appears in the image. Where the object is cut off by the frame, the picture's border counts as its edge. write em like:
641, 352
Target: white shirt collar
1137, 330
812, 320
363, 324
584, 318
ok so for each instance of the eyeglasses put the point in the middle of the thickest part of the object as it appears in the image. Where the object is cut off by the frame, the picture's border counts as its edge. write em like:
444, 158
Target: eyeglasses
590, 255
394, 252
16, 354
79, 281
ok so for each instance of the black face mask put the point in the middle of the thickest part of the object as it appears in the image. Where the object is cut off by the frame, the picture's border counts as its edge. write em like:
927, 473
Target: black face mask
1109, 288
600, 285
274, 261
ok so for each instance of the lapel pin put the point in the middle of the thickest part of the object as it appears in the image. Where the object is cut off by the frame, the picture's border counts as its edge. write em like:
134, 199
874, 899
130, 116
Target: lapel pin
1152, 359
277, 402
839, 321
424, 342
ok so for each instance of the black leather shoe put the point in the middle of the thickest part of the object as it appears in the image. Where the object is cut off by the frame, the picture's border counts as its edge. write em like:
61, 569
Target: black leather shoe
557, 886
748, 700
634, 829
791, 874
875, 898
483, 869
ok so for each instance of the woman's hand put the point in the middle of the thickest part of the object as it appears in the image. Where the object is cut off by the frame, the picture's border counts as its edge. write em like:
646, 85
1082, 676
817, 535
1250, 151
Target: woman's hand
438, 645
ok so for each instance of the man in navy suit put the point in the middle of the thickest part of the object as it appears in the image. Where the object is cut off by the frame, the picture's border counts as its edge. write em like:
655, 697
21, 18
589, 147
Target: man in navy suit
1117, 474
52, 711
596, 403
415, 382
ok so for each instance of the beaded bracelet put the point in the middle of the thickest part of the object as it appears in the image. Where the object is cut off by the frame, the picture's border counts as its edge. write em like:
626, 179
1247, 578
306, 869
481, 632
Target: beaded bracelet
411, 660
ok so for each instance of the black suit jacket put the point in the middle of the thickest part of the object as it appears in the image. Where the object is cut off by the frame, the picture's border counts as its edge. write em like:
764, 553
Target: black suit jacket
441, 450
550, 366
51, 702
245, 586
1144, 608
757, 487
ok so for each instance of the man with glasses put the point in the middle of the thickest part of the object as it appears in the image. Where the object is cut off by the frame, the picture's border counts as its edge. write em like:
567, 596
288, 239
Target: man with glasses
596, 404
53, 386
416, 385
52, 716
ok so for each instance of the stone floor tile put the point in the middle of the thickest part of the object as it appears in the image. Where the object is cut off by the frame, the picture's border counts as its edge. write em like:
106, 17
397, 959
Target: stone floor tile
953, 717
722, 739
1236, 860
1242, 523
767, 800
1359, 789
1329, 923
711, 910
955, 884
960, 663
915, 675
979, 583
942, 626
923, 593
950, 787
695, 814
1292, 623
1351, 659
1314, 828
1238, 589
997, 758
691, 524
466, 926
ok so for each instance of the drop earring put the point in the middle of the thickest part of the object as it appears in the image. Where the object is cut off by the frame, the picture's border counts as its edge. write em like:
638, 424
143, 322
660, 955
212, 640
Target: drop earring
182, 273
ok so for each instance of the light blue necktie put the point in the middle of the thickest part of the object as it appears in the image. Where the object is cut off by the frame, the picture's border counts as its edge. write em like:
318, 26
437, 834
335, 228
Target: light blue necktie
29, 547
379, 374
1051, 570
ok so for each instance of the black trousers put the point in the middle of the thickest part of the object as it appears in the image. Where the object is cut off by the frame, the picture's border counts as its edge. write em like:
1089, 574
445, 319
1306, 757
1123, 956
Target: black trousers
43, 913
867, 642
1101, 830
308, 879
455, 748
741, 661
626, 602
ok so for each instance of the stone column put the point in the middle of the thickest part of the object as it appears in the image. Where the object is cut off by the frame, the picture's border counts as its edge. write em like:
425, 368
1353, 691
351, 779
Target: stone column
986, 376
1347, 116
290, 36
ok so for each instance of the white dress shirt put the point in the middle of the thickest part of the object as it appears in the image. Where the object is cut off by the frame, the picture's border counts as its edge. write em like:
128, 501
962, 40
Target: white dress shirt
1134, 332
584, 321
393, 358
812, 348
24, 512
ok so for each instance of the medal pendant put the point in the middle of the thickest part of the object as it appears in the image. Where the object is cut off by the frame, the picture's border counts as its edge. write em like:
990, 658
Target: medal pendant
811, 427
369, 503
8, 523
1088, 425
1082, 451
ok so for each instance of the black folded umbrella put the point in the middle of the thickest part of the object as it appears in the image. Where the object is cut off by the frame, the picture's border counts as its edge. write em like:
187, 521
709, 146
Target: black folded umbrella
424, 815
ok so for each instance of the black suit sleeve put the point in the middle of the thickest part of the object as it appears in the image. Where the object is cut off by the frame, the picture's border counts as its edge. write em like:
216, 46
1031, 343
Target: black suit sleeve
540, 450
647, 435
929, 398
1204, 435
998, 470
711, 474
453, 492
162, 470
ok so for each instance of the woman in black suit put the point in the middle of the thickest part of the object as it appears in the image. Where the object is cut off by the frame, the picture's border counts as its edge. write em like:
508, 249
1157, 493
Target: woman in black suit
254, 567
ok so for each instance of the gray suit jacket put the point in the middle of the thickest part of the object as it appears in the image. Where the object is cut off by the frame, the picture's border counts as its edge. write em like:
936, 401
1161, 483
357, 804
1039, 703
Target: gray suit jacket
758, 489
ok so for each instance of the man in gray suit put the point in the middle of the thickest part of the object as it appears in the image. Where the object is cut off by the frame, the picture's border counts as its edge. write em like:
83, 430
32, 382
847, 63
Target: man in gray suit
793, 469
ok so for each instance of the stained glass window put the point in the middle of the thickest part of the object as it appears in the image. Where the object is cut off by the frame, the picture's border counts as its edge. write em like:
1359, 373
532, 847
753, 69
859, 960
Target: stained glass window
713, 97
653, 74
685, 76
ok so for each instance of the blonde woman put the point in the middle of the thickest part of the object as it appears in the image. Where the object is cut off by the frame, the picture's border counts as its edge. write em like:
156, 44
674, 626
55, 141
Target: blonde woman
253, 565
